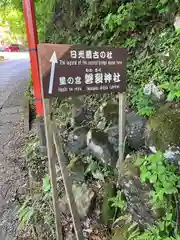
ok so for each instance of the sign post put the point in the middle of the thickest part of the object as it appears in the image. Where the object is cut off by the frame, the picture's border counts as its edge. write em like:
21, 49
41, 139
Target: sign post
52, 165
122, 126
70, 71
68, 186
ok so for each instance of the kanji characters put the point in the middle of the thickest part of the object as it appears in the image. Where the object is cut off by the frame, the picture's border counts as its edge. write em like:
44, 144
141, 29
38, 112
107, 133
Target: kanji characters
116, 77
62, 81
78, 80
88, 78
73, 54
107, 77
95, 55
109, 55
81, 54
89, 54
98, 78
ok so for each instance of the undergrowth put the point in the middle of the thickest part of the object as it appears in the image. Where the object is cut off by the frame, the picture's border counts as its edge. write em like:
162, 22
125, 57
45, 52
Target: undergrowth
165, 181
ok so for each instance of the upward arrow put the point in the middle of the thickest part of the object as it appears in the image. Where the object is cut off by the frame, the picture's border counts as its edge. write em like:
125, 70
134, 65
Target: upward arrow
53, 60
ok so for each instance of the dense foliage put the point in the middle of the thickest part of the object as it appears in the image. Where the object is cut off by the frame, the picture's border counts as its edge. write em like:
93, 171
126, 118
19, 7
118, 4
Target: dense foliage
144, 27
11, 13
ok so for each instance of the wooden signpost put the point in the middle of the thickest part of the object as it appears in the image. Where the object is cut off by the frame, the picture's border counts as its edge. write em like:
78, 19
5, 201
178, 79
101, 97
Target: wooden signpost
70, 71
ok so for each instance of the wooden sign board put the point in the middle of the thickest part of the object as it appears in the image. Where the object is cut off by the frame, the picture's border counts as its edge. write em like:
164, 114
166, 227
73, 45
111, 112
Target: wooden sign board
73, 70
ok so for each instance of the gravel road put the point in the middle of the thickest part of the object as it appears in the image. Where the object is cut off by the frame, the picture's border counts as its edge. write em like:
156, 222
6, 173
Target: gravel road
14, 74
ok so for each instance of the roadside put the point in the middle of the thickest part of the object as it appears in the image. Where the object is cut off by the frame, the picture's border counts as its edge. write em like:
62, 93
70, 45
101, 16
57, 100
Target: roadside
13, 175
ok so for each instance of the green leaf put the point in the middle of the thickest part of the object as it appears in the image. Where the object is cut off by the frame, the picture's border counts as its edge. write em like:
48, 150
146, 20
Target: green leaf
160, 194
132, 226
153, 178
167, 185
178, 93
169, 216
139, 161
161, 169
46, 184
25, 217
145, 176
91, 167
164, 10
171, 190
161, 226
98, 175
171, 96
165, 85
158, 157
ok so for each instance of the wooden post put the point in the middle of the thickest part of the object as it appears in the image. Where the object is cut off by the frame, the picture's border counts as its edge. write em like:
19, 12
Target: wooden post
52, 168
122, 125
68, 185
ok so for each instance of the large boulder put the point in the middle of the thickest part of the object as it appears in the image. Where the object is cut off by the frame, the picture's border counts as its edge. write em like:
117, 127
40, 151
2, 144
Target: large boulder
155, 93
77, 140
137, 195
101, 148
106, 118
84, 197
77, 170
113, 137
135, 129
163, 131
82, 116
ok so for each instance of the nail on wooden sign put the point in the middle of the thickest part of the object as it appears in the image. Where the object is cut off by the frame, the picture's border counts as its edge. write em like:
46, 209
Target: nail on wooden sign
72, 70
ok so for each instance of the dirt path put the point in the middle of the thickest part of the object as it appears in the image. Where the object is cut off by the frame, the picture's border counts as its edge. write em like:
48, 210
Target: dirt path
13, 180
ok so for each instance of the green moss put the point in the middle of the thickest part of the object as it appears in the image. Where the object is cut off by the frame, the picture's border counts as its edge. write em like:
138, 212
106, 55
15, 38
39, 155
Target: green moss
164, 126
110, 111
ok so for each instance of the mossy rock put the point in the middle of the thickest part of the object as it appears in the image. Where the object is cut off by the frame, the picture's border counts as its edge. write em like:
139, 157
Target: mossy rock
108, 113
137, 194
163, 128
101, 148
121, 233
125, 229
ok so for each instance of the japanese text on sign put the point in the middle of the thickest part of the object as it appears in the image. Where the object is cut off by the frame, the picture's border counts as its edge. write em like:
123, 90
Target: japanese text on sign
76, 70
88, 54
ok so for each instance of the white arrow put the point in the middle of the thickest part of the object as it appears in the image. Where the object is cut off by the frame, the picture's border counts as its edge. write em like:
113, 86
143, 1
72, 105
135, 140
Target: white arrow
53, 60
